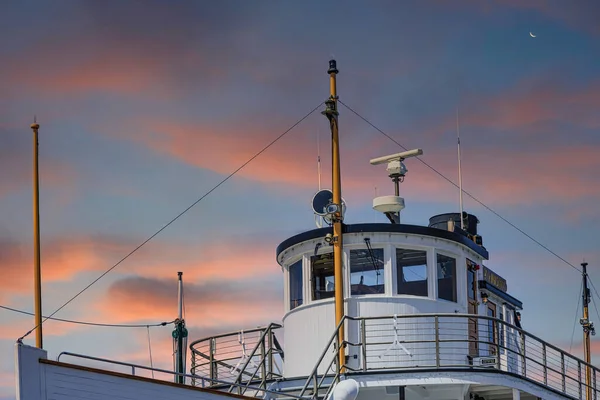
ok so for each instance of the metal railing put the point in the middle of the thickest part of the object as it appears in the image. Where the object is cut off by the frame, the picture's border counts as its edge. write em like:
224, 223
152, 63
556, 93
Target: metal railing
398, 343
249, 358
435, 341
204, 381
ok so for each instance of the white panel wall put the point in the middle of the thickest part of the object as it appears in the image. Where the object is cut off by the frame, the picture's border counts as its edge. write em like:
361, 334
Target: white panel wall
309, 328
39, 380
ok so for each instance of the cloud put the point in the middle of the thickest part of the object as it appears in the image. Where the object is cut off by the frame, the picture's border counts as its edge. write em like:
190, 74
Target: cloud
16, 166
223, 150
65, 258
210, 303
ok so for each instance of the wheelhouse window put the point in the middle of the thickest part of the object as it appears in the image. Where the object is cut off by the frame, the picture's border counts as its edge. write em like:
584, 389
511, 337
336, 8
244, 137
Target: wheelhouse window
366, 271
295, 281
471, 281
446, 275
322, 276
411, 267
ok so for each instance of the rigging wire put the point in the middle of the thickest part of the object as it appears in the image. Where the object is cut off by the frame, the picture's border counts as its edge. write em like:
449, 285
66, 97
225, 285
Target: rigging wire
464, 191
150, 351
575, 322
91, 323
177, 217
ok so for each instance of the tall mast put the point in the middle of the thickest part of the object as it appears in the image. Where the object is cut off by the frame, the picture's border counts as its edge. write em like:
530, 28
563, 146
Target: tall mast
588, 328
37, 274
180, 336
332, 114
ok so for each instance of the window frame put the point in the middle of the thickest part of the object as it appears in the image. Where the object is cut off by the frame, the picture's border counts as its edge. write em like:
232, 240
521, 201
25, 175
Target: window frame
289, 284
384, 279
395, 272
456, 259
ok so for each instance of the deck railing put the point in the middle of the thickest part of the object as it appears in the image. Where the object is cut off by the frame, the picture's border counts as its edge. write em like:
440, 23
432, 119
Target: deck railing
401, 343
248, 358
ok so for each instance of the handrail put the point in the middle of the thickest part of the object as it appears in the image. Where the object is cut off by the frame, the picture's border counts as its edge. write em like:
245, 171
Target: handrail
234, 333
313, 373
476, 316
218, 355
243, 368
134, 366
438, 341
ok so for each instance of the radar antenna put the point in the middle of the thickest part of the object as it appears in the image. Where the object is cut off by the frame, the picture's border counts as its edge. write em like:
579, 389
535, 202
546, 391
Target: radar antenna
392, 205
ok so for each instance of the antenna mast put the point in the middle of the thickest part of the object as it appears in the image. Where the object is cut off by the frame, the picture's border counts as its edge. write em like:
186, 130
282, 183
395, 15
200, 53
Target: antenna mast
37, 274
588, 327
319, 156
179, 337
331, 113
462, 222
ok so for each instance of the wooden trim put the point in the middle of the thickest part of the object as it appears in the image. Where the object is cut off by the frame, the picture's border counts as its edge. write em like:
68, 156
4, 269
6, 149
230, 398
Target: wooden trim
142, 379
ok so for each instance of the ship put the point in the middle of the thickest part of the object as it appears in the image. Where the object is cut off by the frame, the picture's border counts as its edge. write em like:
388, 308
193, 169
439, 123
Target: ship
373, 311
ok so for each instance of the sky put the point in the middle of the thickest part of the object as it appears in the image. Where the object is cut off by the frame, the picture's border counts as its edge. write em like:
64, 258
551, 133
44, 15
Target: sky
145, 106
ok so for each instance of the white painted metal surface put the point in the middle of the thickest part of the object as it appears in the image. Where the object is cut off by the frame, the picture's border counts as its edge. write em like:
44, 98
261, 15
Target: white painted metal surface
39, 380
309, 326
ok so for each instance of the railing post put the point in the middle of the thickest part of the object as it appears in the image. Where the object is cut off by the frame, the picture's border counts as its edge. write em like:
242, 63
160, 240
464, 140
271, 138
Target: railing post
562, 367
497, 327
545, 363
263, 361
211, 362
363, 329
270, 351
132, 370
524, 354
579, 379
437, 341
594, 382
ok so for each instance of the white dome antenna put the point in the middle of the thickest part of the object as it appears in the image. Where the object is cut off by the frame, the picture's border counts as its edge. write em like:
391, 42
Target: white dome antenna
392, 205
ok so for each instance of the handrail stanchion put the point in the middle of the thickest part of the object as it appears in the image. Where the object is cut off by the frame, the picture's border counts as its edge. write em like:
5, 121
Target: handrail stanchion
545, 363
363, 328
211, 363
562, 367
579, 378
437, 341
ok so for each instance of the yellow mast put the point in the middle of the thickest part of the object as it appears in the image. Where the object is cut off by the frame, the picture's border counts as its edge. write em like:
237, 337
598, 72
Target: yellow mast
588, 328
36, 239
332, 114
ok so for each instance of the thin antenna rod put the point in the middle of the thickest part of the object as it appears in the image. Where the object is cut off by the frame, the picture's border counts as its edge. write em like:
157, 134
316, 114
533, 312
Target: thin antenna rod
319, 156
462, 223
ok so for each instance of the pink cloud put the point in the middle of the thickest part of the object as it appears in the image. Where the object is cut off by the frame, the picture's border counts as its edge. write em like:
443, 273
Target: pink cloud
64, 258
496, 182
211, 303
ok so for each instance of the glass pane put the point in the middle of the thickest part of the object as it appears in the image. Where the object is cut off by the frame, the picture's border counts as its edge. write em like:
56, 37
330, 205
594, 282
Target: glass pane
471, 289
411, 267
295, 284
446, 274
322, 276
366, 272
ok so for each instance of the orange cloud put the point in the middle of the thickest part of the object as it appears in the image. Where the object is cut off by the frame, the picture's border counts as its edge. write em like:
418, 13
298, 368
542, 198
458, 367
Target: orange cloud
209, 304
64, 258
497, 181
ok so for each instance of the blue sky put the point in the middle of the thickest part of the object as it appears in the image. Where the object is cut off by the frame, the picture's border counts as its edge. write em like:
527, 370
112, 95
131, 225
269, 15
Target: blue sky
145, 106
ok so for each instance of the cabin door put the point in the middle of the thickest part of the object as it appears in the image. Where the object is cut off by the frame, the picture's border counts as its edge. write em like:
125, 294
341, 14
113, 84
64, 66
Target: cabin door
472, 299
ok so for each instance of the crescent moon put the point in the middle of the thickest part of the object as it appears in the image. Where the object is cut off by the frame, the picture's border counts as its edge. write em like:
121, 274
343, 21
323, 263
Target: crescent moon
531, 34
